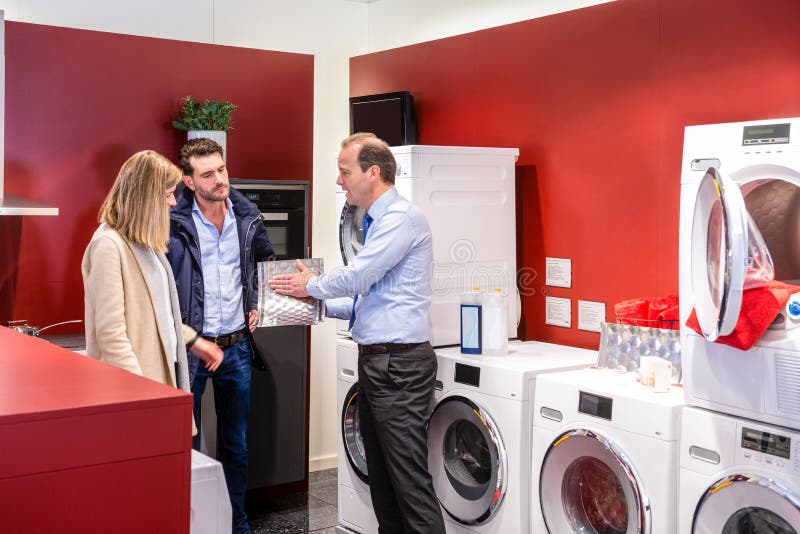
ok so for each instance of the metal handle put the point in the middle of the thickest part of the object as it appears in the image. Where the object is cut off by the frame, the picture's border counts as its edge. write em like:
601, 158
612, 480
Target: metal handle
40, 330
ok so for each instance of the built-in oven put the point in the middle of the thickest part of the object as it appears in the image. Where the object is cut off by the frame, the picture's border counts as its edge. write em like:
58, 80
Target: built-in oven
277, 434
284, 208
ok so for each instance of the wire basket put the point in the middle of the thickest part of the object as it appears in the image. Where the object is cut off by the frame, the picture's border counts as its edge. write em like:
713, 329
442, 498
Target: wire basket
666, 324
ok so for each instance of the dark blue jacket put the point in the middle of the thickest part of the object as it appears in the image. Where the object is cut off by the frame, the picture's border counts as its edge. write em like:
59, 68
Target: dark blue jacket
184, 257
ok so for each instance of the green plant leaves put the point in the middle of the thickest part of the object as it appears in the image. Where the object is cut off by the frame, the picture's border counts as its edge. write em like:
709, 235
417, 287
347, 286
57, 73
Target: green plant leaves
211, 115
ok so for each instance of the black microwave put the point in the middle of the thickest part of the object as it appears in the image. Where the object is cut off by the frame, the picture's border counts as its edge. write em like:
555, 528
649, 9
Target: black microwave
284, 209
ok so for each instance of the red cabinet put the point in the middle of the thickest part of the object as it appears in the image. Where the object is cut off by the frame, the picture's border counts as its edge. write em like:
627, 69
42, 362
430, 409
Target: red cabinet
87, 447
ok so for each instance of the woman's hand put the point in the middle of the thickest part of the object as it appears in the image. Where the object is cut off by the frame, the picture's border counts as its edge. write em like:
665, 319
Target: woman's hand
209, 352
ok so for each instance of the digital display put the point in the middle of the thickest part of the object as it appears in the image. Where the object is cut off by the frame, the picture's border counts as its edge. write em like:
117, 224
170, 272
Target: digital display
773, 444
468, 374
252, 196
595, 405
766, 134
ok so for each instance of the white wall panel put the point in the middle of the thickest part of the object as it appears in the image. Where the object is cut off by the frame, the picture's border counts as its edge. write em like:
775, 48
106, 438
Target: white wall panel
186, 20
325, 27
394, 23
11, 9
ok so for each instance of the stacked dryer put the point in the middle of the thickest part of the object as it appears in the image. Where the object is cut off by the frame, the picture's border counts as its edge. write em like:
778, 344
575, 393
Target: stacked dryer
468, 197
740, 210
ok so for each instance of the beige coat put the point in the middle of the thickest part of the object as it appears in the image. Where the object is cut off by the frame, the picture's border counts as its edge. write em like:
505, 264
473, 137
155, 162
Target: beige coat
122, 326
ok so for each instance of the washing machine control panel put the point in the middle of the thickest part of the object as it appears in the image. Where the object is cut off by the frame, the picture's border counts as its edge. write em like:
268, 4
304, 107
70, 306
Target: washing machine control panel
765, 134
770, 449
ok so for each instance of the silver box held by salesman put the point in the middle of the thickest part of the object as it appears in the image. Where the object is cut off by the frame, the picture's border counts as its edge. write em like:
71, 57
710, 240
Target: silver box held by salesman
281, 310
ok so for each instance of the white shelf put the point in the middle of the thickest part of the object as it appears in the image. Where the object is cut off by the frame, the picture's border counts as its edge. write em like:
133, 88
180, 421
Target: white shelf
12, 205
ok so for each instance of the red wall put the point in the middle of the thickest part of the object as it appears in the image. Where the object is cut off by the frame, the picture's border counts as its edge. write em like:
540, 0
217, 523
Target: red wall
79, 103
596, 100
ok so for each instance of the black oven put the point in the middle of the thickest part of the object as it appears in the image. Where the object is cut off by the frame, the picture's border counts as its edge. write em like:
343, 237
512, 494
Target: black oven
284, 208
278, 422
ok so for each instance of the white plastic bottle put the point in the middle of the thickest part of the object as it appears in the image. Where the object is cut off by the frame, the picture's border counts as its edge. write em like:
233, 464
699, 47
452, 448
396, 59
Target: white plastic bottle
495, 324
471, 322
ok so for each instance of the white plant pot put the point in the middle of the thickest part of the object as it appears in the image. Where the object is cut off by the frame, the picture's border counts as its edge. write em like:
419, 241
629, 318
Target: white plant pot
219, 136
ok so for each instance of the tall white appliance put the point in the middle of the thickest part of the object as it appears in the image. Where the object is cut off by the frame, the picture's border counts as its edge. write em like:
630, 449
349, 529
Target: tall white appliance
740, 197
468, 197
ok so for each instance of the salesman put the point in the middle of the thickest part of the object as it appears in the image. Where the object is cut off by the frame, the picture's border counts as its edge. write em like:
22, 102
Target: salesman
391, 280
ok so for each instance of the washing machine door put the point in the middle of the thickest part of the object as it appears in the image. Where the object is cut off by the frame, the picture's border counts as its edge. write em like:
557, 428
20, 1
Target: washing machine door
728, 254
351, 435
743, 503
351, 232
467, 460
587, 484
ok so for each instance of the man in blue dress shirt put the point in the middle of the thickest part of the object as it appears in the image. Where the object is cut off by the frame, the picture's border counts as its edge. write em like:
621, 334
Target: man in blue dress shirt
390, 278
216, 238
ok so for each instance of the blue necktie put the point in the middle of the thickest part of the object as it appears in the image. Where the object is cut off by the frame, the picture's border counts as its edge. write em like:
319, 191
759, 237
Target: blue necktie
367, 222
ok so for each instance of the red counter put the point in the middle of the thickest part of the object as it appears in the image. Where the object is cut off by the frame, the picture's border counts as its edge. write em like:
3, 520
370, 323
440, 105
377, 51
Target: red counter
86, 447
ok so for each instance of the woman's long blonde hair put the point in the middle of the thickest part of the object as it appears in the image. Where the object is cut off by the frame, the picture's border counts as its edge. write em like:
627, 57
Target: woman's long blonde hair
136, 206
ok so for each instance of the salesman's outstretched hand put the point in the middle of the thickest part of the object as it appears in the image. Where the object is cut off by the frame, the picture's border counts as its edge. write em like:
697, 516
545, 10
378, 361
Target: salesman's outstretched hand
293, 285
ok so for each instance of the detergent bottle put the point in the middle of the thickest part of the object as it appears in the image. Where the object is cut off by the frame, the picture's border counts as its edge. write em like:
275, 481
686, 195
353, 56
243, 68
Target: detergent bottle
495, 324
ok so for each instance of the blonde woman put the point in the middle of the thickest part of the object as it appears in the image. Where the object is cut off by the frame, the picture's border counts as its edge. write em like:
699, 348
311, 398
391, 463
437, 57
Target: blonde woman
131, 305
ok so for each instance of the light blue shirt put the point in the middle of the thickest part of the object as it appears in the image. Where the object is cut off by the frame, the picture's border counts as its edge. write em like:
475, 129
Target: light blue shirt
391, 274
222, 273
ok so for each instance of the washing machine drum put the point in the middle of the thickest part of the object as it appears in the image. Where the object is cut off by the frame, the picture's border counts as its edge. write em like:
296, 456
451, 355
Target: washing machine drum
351, 435
744, 504
587, 484
351, 232
467, 460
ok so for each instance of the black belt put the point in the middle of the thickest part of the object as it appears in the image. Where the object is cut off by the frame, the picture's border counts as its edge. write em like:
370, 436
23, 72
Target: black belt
382, 348
228, 340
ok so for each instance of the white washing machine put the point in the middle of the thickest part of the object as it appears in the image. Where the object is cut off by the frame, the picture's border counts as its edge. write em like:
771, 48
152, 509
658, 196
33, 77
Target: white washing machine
355, 506
740, 195
479, 433
737, 476
468, 197
604, 454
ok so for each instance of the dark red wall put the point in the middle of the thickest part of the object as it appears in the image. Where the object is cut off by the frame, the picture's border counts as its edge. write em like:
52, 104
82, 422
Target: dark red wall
79, 103
596, 100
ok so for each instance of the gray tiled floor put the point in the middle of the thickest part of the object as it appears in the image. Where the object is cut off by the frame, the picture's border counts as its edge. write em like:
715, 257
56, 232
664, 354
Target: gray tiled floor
314, 511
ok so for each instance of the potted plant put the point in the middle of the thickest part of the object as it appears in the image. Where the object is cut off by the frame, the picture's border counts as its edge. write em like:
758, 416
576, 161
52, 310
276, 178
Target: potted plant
210, 119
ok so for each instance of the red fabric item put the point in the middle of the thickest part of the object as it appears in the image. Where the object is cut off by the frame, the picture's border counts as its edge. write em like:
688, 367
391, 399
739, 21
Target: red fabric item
632, 311
760, 306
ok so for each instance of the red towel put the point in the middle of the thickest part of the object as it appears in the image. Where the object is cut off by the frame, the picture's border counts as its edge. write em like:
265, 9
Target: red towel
760, 306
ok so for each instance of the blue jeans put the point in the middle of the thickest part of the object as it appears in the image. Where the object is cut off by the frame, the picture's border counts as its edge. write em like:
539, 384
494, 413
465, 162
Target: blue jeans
231, 383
